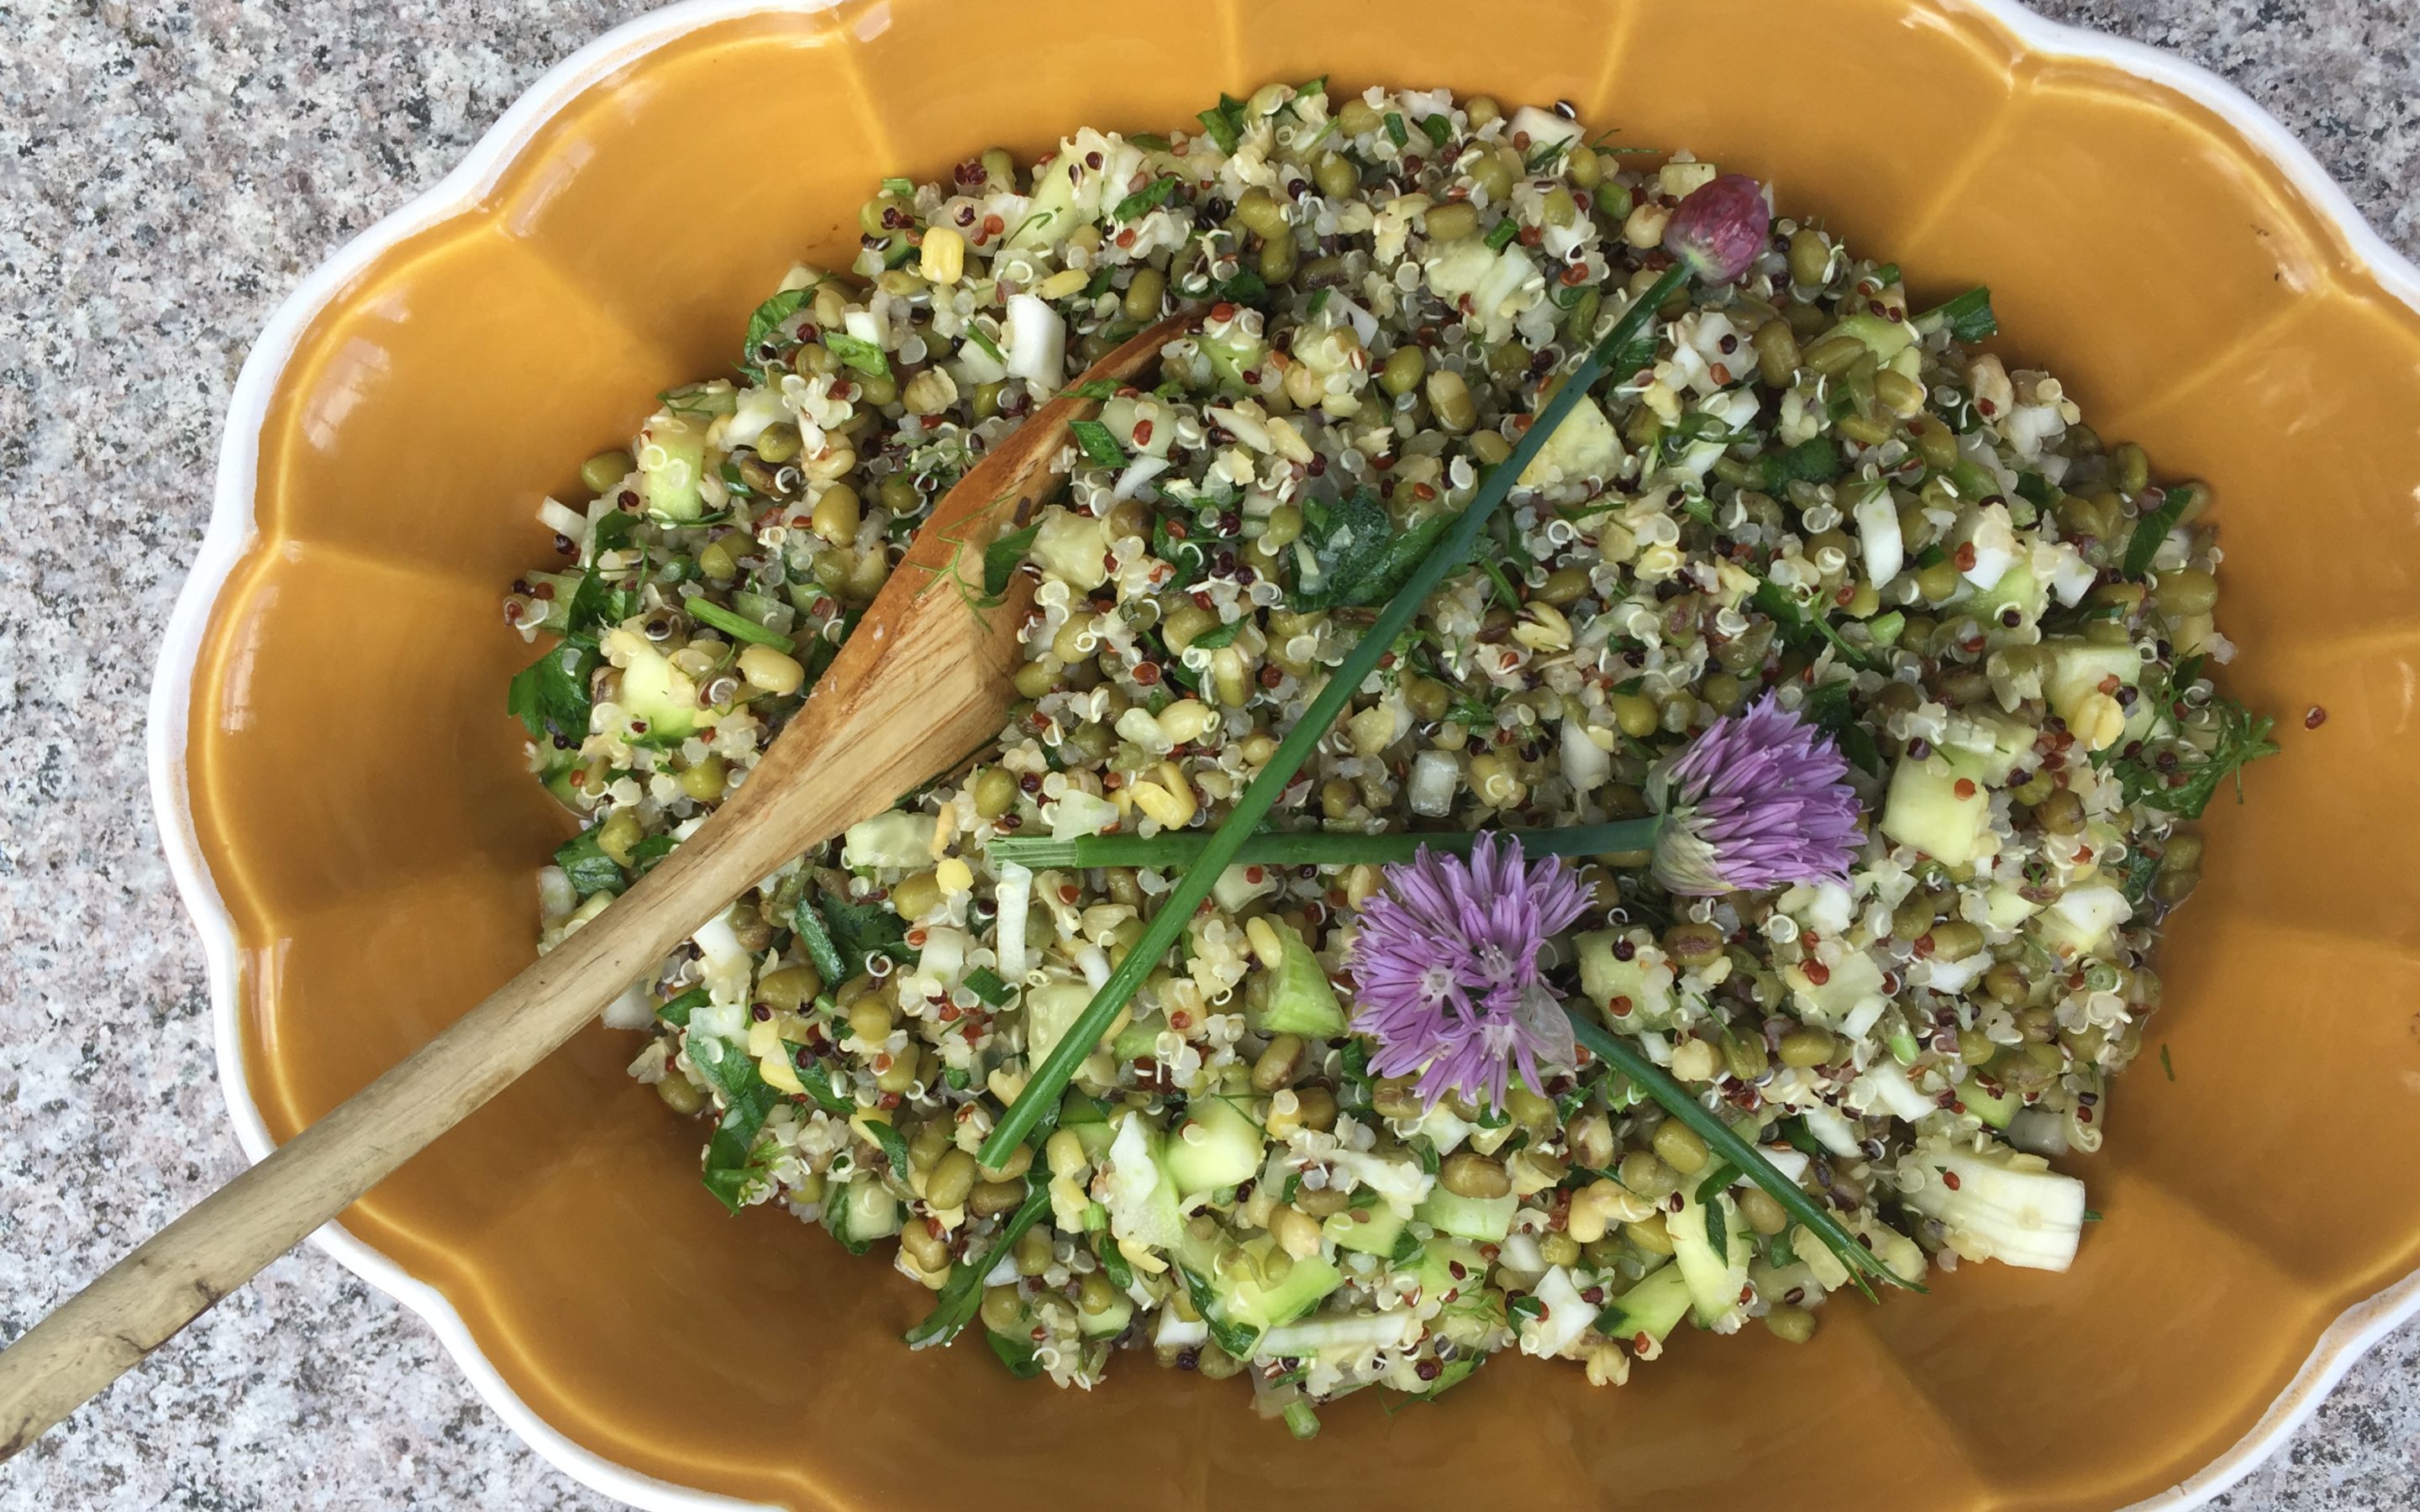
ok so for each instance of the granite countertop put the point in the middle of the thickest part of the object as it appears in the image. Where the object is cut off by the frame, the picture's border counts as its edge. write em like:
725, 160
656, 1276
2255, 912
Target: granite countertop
168, 172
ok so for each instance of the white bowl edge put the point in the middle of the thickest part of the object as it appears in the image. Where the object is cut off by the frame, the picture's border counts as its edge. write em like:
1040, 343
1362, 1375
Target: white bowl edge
231, 528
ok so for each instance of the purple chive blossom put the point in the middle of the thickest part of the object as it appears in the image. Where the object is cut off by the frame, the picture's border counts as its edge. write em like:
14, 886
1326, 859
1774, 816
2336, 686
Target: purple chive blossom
1444, 968
1759, 801
1720, 229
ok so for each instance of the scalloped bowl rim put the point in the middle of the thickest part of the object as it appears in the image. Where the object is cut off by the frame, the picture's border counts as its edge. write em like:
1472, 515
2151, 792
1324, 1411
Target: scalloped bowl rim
231, 530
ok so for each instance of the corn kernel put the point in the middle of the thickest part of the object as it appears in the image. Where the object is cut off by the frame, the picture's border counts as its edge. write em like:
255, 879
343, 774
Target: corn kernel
954, 875
944, 254
1266, 942
1062, 283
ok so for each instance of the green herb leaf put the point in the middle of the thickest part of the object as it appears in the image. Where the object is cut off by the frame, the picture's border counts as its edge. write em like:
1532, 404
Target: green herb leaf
1246, 287
1396, 131
767, 320
1094, 389
1150, 197
748, 1100
1114, 1268
1218, 635
550, 696
675, 1011
1098, 446
1828, 708
2242, 738
1225, 125
1360, 557
1968, 317
988, 985
1545, 157
1440, 131
815, 939
1014, 1353
899, 188
816, 1078
2152, 529
1318, 302
1149, 140
862, 930
860, 354
1003, 557
586, 864
736, 625
894, 1147
2035, 489
1525, 1306
1813, 460
1802, 627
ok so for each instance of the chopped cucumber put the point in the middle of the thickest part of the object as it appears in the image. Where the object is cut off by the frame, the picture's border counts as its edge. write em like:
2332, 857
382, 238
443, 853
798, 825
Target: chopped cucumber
1372, 1230
1108, 1322
2019, 589
1073, 548
1120, 416
1232, 351
1141, 1196
1653, 1306
1216, 1147
1301, 1000
1583, 445
1050, 1010
1994, 1108
2083, 920
656, 691
863, 1210
1339, 1335
1605, 976
2079, 667
2006, 1207
1488, 1220
1924, 809
1241, 1292
1137, 1041
2004, 907
1715, 1279
1986, 745
672, 464
1852, 981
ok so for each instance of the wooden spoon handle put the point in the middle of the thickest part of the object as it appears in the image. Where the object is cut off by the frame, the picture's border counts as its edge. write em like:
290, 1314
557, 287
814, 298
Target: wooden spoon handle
922, 681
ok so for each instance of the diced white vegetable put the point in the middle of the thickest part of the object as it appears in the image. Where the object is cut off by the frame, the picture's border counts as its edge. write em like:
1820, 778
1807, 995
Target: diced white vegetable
1346, 1333
1037, 341
753, 413
729, 976
1076, 813
1994, 540
631, 1011
1138, 472
1436, 775
1544, 126
1133, 1189
1015, 890
1878, 532
1235, 885
1566, 1318
2082, 919
1833, 1131
1072, 547
1174, 1333
1886, 1086
895, 839
1402, 1182
2030, 1218
563, 520
1586, 766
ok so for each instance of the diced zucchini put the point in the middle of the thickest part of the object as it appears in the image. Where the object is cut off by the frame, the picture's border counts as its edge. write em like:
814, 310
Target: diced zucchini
2006, 1207
1715, 1279
1216, 1147
1605, 976
672, 464
1654, 1306
1923, 808
2084, 919
2079, 667
1073, 548
1051, 1011
1488, 1220
1994, 1108
1373, 1230
655, 691
1583, 445
1139, 1195
1108, 1322
1300, 999
861, 1212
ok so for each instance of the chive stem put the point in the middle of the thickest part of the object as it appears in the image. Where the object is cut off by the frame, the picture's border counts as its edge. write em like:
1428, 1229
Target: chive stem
1050, 1079
1726, 1145
1184, 848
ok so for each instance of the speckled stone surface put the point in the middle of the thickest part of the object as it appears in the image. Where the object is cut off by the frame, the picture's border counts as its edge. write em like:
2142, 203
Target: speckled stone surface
166, 174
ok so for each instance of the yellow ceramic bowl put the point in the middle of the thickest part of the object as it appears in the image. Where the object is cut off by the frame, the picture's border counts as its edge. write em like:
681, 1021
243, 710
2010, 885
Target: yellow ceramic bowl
343, 798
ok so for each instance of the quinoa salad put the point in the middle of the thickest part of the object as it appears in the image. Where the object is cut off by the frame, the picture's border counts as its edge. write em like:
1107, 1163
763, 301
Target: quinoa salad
1730, 881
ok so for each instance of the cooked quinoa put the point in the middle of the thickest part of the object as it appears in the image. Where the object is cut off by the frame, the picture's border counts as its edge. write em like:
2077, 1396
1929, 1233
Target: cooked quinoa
1810, 489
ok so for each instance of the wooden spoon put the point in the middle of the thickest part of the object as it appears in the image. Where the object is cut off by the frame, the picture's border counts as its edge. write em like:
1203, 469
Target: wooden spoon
922, 681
